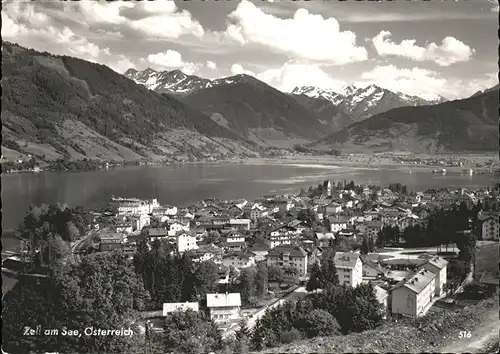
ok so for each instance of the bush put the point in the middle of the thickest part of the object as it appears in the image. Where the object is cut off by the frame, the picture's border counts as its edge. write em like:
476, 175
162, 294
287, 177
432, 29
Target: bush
318, 323
291, 336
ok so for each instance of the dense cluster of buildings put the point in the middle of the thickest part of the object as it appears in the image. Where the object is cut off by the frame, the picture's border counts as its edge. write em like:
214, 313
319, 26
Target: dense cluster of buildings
240, 233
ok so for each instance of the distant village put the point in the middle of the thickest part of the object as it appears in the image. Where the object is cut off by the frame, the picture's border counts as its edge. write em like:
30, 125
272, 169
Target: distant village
292, 231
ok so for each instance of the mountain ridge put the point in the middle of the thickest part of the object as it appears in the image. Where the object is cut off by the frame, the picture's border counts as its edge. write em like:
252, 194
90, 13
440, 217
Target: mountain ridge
469, 124
63, 107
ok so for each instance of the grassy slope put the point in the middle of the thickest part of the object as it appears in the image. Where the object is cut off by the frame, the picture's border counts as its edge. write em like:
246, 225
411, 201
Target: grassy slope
57, 102
435, 331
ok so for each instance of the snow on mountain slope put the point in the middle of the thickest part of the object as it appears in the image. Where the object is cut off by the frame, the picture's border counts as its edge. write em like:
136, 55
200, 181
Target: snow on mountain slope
174, 82
363, 102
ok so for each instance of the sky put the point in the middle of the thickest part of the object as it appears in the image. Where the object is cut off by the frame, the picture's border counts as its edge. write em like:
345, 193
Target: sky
426, 48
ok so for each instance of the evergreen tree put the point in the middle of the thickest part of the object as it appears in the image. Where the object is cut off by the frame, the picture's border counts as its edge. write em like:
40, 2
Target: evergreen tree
365, 247
243, 331
315, 281
328, 273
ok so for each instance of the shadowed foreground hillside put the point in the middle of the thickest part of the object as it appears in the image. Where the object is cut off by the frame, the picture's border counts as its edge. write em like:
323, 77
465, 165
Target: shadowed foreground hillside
463, 125
57, 106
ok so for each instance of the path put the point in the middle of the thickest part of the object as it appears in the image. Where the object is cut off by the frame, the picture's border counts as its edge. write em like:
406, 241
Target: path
482, 336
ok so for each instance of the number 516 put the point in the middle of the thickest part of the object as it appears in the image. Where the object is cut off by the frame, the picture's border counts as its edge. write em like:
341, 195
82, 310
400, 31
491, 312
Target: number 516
464, 334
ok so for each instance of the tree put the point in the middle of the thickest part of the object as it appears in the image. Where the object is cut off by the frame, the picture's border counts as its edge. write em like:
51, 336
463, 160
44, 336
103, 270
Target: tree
365, 247
247, 284
206, 278
261, 280
315, 279
190, 332
212, 237
69, 297
318, 323
275, 273
328, 271
308, 216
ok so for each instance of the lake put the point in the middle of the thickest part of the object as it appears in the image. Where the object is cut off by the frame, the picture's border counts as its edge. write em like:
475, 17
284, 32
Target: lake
187, 183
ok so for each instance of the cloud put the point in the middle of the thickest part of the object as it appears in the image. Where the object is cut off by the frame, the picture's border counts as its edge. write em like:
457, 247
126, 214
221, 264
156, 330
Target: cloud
172, 59
449, 52
305, 36
25, 26
424, 83
158, 19
291, 75
211, 65
237, 69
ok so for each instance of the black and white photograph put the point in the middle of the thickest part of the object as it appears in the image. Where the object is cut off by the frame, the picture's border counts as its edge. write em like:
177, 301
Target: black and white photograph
250, 176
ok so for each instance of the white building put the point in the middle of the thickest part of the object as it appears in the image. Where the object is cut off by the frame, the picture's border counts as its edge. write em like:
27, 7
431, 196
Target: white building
338, 224
170, 307
178, 226
240, 223
414, 296
438, 266
186, 242
224, 307
349, 268
239, 260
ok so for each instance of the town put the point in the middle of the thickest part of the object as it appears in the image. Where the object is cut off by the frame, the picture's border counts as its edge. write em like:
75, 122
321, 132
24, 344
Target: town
417, 252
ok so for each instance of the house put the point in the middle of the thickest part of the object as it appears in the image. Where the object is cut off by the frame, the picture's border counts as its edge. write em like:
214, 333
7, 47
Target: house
490, 225
333, 208
177, 225
170, 307
260, 252
111, 241
280, 239
224, 307
234, 236
239, 259
372, 229
166, 210
383, 298
325, 236
234, 246
283, 205
413, 297
125, 227
438, 266
288, 256
242, 224
349, 268
337, 224
157, 233
185, 241
371, 271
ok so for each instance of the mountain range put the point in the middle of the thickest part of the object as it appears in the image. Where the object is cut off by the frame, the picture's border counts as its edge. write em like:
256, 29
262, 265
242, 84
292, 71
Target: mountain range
332, 110
363, 102
466, 125
58, 106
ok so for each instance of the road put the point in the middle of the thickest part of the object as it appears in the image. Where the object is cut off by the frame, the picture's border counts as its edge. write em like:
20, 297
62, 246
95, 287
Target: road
74, 257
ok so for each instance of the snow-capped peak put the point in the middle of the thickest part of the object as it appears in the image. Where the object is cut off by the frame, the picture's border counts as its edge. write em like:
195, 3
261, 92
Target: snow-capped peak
316, 92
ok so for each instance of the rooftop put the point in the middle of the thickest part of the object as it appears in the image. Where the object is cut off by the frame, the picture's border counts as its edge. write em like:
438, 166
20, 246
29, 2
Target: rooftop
294, 251
346, 259
223, 300
418, 281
